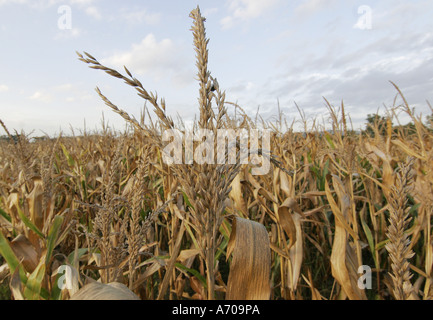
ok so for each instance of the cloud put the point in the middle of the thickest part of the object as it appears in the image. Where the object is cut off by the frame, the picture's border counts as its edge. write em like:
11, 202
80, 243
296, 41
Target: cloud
357, 75
159, 59
44, 4
209, 11
242, 86
245, 10
399, 15
82, 2
140, 16
71, 92
64, 87
41, 97
309, 7
68, 33
93, 12
363, 88
346, 64
5, 2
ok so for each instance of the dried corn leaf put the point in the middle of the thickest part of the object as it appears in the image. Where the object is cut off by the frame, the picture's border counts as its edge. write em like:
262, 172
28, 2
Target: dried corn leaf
250, 266
258, 189
102, 291
337, 212
25, 252
16, 285
186, 254
4, 271
339, 266
429, 258
429, 251
171, 262
13, 203
343, 259
409, 151
34, 200
315, 294
387, 171
237, 196
285, 219
377, 152
286, 184
296, 254
154, 267
198, 288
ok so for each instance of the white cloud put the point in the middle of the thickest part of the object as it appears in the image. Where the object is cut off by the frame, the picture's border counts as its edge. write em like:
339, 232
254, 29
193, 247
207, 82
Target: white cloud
64, 87
93, 12
245, 10
159, 59
3, 88
68, 34
399, 15
44, 4
357, 74
242, 87
75, 32
140, 16
4, 2
209, 11
71, 92
310, 7
41, 96
363, 87
81, 2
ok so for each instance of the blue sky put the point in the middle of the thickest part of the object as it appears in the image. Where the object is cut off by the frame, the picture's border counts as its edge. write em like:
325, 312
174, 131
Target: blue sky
261, 52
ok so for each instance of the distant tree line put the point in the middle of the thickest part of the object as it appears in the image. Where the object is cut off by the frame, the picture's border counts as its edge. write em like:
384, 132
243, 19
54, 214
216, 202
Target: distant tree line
14, 138
379, 124
375, 124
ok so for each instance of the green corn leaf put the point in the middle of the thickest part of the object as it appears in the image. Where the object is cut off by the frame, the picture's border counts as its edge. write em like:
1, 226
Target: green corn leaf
32, 290
5, 215
370, 239
70, 160
7, 253
80, 252
29, 224
56, 291
330, 142
222, 248
185, 198
193, 272
52, 237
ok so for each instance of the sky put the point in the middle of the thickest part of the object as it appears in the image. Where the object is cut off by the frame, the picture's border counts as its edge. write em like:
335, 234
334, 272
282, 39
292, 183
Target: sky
268, 56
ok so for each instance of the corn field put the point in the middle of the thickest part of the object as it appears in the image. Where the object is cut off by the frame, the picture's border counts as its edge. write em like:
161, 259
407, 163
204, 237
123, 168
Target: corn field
104, 208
